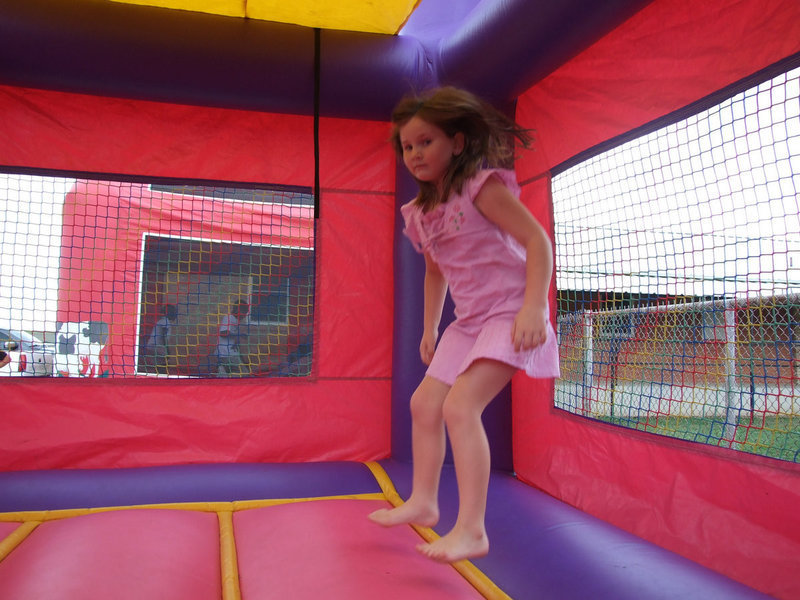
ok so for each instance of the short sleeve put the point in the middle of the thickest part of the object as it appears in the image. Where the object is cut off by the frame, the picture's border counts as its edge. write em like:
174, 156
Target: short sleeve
506, 176
410, 216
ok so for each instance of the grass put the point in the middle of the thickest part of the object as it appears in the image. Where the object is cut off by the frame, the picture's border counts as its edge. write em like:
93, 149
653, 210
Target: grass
774, 436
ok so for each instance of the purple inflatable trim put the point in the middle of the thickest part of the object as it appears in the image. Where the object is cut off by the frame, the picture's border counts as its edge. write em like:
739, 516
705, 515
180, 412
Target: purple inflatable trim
494, 47
78, 488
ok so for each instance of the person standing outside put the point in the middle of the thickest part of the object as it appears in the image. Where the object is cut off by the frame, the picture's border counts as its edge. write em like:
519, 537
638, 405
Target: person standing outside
232, 333
159, 340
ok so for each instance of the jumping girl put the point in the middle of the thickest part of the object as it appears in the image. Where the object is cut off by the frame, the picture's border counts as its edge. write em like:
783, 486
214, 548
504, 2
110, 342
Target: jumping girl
481, 242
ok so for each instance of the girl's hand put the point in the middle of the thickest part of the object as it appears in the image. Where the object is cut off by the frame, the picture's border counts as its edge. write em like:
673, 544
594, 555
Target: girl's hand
427, 347
530, 327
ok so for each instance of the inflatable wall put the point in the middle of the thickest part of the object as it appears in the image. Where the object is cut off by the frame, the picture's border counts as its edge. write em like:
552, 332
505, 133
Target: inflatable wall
620, 67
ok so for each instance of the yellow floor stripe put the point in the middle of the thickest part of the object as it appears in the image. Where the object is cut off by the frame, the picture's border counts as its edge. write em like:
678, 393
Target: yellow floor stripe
16, 537
227, 553
52, 515
468, 571
385, 483
248, 504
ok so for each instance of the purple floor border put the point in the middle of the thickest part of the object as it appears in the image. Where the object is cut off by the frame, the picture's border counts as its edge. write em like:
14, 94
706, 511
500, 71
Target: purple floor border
78, 488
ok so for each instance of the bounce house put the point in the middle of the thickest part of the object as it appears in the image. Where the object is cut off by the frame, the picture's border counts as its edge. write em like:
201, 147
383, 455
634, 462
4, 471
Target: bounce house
134, 474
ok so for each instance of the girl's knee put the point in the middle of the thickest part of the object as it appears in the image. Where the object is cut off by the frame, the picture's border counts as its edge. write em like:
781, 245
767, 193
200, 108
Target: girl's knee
458, 409
425, 409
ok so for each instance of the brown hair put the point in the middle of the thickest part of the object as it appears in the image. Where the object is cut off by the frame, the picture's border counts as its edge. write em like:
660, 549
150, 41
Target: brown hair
488, 135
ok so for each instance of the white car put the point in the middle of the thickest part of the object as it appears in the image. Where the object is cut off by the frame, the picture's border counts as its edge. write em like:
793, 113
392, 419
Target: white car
30, 356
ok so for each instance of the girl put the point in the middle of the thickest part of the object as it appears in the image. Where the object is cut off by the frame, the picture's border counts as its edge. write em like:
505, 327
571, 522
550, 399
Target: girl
480, 241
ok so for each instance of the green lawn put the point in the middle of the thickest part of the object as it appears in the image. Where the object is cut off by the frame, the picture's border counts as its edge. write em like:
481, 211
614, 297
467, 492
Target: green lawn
772, 436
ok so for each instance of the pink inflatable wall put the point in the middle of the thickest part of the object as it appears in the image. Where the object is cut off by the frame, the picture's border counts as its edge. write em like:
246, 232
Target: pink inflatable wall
728, 510
341, 413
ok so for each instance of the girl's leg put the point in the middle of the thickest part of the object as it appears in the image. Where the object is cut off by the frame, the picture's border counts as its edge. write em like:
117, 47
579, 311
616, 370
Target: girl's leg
462, 411
428, 448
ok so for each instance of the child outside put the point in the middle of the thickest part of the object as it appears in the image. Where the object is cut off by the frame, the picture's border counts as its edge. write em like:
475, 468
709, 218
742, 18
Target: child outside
160, 337
480, 242
232, 334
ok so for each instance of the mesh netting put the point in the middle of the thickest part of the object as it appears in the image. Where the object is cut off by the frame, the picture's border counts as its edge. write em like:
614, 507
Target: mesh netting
110, 278
678, 265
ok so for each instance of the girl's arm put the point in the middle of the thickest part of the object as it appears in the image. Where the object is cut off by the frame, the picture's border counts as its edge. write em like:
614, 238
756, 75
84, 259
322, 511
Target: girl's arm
435, 292
496, 202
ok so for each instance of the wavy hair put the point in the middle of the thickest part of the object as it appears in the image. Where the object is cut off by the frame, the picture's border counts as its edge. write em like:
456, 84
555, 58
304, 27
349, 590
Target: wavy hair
488, 136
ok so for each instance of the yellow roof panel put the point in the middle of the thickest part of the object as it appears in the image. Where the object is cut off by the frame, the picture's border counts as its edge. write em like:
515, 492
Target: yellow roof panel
373, 16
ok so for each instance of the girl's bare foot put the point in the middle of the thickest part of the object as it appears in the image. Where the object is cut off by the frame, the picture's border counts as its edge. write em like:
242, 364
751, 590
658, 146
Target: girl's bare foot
424, 515
456, 546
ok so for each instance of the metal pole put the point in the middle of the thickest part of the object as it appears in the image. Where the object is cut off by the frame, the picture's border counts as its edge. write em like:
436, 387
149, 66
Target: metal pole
732, 398
588, 362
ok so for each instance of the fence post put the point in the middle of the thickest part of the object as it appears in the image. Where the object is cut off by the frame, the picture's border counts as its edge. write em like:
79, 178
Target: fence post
588, 362
733, 399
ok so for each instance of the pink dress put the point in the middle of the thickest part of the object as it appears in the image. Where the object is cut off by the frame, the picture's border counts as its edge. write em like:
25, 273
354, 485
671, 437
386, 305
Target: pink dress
485, 271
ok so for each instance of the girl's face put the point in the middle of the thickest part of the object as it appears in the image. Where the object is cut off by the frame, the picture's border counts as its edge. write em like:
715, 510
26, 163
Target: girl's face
427, 150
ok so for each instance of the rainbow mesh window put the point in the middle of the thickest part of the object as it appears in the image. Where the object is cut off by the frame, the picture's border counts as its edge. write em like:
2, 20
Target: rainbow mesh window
678, 269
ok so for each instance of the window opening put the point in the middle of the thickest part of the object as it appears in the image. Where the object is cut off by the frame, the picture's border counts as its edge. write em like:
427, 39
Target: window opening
678, 269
